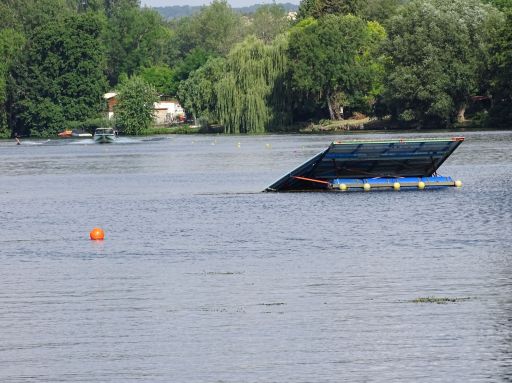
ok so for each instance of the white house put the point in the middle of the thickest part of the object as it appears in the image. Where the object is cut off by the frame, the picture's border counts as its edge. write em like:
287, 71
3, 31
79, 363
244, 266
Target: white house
165, 111
111, 102
168, 112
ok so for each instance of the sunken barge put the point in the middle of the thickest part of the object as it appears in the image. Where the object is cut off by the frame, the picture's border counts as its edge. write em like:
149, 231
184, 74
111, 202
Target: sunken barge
373, 164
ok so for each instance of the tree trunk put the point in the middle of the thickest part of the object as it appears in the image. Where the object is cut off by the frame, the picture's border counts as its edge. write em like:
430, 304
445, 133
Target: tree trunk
335, 109
331, 109
461, 113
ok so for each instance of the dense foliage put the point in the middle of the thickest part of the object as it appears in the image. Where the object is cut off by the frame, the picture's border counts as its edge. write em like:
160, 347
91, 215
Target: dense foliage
437, 58
134, 110
501, 75
416, 62
251, 72
59, 75
333, 59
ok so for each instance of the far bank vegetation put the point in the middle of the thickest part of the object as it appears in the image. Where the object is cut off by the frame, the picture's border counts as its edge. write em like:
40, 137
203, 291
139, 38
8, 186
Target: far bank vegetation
334, 64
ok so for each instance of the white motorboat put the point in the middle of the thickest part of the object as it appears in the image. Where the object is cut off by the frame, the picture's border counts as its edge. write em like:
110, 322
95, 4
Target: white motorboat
80, 134
105, 135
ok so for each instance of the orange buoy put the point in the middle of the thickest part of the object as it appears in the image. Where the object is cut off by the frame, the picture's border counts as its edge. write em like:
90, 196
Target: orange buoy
97, 234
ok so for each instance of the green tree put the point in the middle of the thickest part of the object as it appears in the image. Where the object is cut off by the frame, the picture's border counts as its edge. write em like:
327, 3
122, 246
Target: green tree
319, 8
500, 113
161, 77
269, 21
334, 59
60, 76
306, 9
134, 112
380, 10
502, 5
136, 38
437, 55
198, 94
28, 15
215, 30
252, 72
194, 59
8, 17
11, 44
113, 6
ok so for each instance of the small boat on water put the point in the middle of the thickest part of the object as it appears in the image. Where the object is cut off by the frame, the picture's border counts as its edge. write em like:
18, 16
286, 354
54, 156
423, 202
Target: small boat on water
373, 164
74, 133
105, 135
80, 134
65, 133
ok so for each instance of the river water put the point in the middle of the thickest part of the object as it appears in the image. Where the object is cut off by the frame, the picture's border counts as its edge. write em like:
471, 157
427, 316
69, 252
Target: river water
203, 278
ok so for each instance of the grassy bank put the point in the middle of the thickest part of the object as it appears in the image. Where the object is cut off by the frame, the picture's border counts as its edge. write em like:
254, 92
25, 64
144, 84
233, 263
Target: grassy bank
372, 124
181, 129
184, 129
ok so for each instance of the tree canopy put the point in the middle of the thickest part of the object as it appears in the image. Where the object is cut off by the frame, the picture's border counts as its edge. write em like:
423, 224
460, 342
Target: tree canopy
134, 110
501, 75
136, 38
331, 58
320, 8
60, 75
419, 62
248, 81
436, 56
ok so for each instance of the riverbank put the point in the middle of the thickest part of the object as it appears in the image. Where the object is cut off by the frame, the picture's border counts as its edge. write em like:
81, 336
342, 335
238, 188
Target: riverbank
365, 125
183, 129
353, 125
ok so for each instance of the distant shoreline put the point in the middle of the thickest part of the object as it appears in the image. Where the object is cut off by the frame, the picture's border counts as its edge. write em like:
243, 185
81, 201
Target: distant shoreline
173, 12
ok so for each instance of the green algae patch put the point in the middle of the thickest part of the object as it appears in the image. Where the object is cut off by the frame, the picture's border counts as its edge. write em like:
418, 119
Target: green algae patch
440, 300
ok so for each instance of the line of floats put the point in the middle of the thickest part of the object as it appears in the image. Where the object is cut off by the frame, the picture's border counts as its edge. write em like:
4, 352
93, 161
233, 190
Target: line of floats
367, 184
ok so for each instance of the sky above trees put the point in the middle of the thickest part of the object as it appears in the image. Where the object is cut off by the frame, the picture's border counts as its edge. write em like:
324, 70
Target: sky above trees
234, 3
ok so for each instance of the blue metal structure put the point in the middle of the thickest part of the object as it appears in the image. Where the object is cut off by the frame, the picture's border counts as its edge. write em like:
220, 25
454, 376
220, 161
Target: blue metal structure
377, 163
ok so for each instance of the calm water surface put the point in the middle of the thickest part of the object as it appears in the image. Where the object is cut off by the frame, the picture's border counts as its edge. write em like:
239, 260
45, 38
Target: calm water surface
202, 278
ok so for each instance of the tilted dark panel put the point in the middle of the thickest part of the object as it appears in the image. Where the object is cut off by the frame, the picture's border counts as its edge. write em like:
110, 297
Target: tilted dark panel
366, 159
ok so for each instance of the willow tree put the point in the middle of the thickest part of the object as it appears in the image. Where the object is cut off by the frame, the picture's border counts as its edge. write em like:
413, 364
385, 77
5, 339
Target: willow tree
246, 95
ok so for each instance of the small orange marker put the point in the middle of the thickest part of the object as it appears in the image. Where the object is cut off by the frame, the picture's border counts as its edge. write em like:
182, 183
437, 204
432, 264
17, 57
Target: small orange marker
97, 234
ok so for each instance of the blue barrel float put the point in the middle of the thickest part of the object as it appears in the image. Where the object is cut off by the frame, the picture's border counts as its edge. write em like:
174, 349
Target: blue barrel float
373, 164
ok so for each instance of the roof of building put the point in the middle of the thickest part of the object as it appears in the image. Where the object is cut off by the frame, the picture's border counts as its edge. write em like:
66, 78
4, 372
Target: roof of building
109, 95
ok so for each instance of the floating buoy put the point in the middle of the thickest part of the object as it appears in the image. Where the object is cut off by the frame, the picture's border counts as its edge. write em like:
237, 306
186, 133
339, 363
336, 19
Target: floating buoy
343, 187
238, 144
367, 186
97, 234
396, 186
421, 185
458, 183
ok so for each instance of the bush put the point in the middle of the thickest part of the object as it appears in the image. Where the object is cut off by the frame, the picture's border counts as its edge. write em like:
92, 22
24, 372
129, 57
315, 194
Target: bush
91, 125
134, 110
